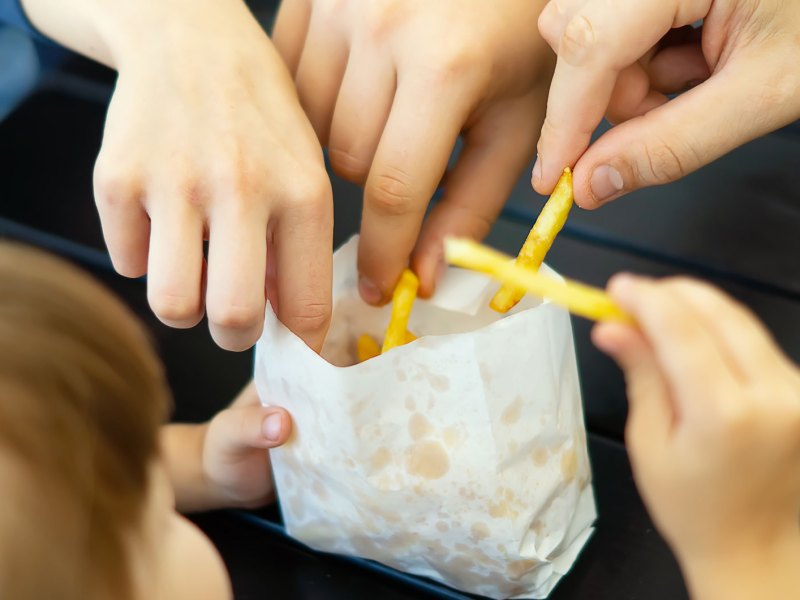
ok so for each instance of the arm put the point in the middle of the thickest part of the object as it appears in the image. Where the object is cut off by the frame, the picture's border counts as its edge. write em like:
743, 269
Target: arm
713, 434
225, 463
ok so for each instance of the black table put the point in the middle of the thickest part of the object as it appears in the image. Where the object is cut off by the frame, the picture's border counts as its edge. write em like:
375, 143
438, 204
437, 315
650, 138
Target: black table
696, 226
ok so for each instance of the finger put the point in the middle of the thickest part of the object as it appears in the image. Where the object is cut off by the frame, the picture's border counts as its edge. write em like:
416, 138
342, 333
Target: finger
126, 226
677, 68
495, 152
361, 112
409, 163
747, 344
237, 263
632, 95
687, 354
651, 414
289, 33
596, 45
175, 262
682, 135
320, 70
554, 19
238, 431
304, 262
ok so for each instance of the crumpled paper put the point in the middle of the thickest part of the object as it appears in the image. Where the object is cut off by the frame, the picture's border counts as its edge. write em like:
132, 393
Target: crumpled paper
460, 457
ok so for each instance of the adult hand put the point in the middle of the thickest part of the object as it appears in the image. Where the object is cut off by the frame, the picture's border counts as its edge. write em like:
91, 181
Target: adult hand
389, 87
205, 140
623, 59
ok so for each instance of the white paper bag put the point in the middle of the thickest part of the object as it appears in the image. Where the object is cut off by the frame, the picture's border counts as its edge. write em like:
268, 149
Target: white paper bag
460, 457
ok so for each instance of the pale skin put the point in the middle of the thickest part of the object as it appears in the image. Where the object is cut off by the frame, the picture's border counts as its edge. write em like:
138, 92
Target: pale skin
220, 464
389, 86
205, 140
713, 435
621, 59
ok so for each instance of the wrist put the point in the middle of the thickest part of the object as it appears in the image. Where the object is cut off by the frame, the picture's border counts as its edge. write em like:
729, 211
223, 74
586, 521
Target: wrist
117, 32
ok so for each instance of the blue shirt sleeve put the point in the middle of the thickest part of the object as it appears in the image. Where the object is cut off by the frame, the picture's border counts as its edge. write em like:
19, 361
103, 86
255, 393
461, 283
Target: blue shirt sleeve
12, 14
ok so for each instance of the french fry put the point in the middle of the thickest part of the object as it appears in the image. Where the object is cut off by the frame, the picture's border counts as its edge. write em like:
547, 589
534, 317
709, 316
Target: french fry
367, 347
402, 300
583, 300
531, 255
410, 337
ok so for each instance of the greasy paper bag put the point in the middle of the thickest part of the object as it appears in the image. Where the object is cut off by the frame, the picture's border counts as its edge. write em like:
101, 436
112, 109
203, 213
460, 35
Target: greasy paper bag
460, 457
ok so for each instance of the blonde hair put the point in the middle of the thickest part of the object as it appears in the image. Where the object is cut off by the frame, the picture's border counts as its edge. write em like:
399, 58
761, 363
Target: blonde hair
82, 396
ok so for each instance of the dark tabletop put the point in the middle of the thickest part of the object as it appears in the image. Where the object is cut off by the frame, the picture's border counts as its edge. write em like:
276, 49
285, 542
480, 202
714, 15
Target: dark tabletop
736, 223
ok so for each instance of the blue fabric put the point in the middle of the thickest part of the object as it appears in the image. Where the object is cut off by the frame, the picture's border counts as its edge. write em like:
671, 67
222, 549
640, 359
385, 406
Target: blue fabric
11, 12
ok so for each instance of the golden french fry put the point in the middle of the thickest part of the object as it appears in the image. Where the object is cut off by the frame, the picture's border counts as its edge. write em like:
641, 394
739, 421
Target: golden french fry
410, 337
367, 347
402, 300
551, 220
583, 300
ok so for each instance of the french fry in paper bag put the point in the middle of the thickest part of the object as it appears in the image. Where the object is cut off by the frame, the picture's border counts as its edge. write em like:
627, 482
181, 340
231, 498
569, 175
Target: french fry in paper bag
460, 456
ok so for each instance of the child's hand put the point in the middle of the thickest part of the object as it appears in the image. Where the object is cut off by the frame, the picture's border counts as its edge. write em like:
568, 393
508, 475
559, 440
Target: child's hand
390, 85
205, 139
225, 463
624, 58
713, 430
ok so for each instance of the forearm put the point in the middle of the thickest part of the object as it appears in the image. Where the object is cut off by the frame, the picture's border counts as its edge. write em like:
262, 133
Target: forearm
756, 571
114, 31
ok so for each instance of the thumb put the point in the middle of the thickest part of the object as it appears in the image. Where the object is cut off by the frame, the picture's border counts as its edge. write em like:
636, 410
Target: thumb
240, 429
667, 143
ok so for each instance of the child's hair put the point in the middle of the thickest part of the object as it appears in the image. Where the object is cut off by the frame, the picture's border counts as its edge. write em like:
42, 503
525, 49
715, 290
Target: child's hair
82, 396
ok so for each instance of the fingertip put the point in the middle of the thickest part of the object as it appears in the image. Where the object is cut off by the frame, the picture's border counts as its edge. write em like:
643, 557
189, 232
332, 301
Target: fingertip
623, 287
610, 337
276, 426
370, 293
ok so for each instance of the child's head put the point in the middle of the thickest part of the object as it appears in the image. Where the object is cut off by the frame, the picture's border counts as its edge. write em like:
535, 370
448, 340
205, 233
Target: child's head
86, 510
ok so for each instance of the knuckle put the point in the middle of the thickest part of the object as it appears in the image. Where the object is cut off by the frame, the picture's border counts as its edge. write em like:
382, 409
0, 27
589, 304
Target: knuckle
660, 163
115, 188
306, 317
235, 316
348, 165
390, 194
383, 19
172, 307
578, 41
309, 196
462, 65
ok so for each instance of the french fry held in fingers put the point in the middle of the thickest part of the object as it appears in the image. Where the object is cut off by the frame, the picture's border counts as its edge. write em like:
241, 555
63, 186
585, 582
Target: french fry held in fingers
531, 255
583, 300
402, 300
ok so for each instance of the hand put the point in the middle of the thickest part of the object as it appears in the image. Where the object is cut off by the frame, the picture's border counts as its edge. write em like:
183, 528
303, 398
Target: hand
713, 433
224, 463
205, 140
623, 58
389, 87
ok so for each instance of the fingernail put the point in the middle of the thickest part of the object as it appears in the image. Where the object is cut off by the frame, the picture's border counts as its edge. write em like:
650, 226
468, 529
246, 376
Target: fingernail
606, 182
369, 291
536, 174
271, 427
